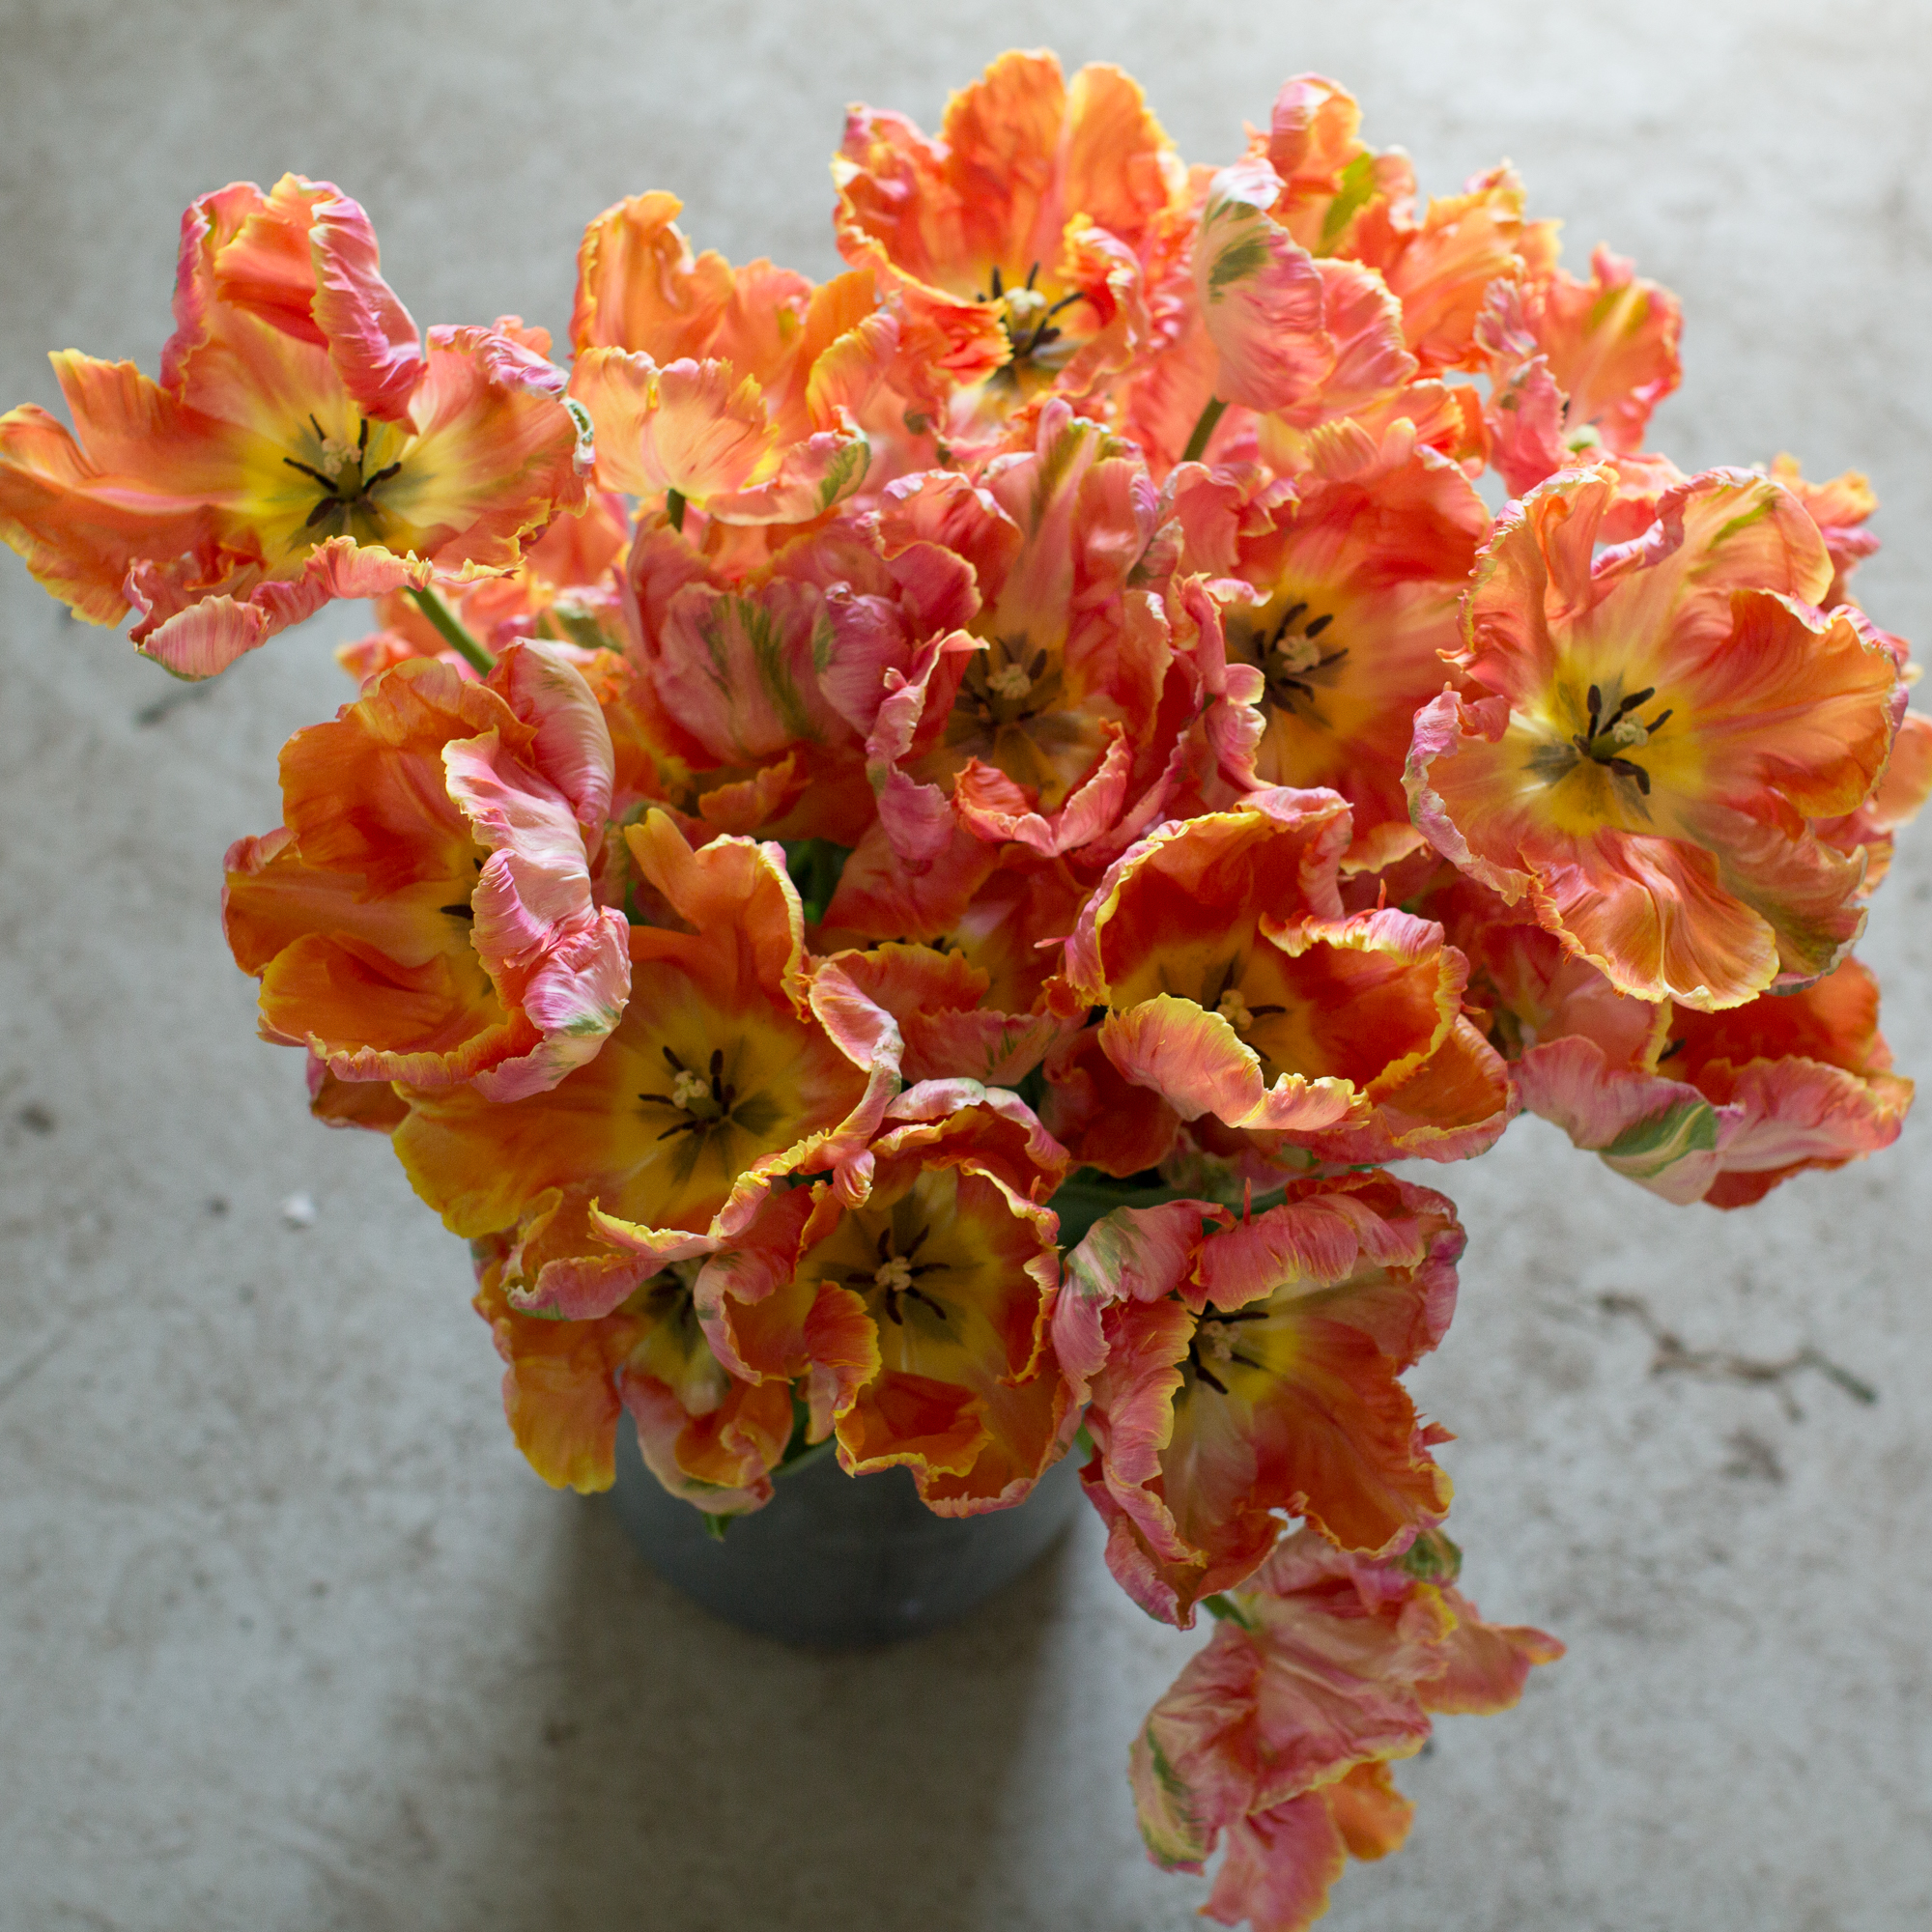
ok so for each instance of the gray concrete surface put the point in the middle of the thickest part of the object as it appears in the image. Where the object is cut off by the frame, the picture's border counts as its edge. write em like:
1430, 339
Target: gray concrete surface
289, 1636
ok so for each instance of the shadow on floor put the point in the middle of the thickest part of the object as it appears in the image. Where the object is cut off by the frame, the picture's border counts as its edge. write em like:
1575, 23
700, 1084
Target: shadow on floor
692, 1779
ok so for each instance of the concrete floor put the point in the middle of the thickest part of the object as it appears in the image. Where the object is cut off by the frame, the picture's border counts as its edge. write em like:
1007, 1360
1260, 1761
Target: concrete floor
289, 1635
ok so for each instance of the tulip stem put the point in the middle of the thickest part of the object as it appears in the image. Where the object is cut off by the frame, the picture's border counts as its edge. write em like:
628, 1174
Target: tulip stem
1203, 428
451, 627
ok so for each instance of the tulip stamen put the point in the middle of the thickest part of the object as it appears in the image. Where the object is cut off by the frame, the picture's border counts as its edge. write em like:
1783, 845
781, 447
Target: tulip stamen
1214, 1337
347, 488
706, 1098
1028, 315
1605, 740
1292, 661
1000, 694
897, 1276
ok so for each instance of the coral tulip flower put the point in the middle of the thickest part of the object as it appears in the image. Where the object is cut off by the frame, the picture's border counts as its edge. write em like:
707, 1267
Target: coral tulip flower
1575, 366
1663, 726
706, 1434
1304, 339
1234, 989
765, 685
1339, 199
1722, 1107
1028, 247
425, 912
926, 1302
737, 390
721, 1077
1254, 1369
1059, 722
301, 443
1280, 1734
1334, 605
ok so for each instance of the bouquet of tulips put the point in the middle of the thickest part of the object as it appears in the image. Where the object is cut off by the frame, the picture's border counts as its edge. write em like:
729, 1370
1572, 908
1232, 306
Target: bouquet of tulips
910, 851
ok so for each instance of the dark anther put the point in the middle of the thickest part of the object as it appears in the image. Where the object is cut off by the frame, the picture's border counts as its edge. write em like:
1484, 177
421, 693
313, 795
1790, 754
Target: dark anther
381, 476
1320, 625
459, 911
1031, 274
676, 1064
999, 282
682, 1127
1675, 1046
1599, 727
327, 482
1208, 1376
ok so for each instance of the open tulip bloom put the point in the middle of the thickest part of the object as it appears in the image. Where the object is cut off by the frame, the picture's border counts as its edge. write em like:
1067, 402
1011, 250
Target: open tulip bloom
907, 850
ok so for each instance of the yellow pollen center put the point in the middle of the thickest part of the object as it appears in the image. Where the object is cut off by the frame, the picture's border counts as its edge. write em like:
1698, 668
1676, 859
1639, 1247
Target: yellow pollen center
689, 1086
895, 1273
1009, 681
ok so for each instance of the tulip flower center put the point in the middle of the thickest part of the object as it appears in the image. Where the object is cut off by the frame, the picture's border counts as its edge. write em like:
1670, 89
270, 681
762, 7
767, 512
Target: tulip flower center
1011, 713
1027, 314
669, 1298
895, 1278
344, 472
710, 1103
1231, 1001
1606, 738
1298, 657
1006, 684
1215, 1346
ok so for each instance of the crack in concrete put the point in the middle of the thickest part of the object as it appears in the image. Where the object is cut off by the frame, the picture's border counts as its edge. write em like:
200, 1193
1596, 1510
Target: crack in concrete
1673, 1355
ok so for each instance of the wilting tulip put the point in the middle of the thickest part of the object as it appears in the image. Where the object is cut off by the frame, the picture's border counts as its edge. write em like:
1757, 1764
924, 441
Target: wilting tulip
1322, 1671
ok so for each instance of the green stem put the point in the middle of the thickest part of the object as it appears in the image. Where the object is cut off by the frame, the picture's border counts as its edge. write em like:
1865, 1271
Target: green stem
675, 509
1203, 428
449, 627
